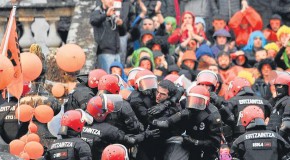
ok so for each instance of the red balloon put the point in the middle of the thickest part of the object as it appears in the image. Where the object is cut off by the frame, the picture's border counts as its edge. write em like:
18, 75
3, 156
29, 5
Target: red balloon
25, 112
6, 71
16, 147
24, 156
57, 90
32, 128
34, 149
33, 137
70, 57
43, 113
31, 66
24, 138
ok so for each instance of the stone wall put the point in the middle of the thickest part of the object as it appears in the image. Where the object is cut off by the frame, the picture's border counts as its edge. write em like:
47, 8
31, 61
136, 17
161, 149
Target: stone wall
41, 28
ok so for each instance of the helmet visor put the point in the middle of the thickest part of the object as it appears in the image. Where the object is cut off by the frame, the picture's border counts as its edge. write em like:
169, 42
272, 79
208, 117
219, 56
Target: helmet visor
147, 82
132, 75
116, 99
207, 78
196, 101
183, 81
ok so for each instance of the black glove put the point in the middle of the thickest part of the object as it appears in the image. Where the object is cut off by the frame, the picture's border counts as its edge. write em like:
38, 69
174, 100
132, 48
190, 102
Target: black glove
133, 124
160, 124
157, 109
130, 140
188, 141
215, 99
155, 133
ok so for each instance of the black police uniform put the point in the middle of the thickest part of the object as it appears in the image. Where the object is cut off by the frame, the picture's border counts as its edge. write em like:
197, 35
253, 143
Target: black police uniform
244, 98
124, 118
260, 144
280, 110
140, 103
100, 135
204, 126
70, 148
227, 116
78, 98
10, 127
169, 146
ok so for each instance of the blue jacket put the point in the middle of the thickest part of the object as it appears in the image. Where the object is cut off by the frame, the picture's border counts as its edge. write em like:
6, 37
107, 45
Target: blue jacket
119, 65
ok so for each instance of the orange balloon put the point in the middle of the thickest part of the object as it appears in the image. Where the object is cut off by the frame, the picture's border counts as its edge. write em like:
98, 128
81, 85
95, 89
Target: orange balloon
6, 71
32, 128
24, 156
57, 90
25, 112
70, 57
24, 138
31, 66
43, 113
34, 149
16, 147
33, 137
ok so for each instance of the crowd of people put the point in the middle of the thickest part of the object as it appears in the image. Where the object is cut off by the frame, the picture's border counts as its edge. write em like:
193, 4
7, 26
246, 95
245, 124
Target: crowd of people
173, 80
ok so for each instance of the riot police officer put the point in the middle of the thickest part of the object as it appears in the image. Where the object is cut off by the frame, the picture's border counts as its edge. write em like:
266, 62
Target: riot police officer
143, 97
257, 142
210, 80
123, 117
280, 116
10, 127
202, 123
71, 146
243, 96
85, 90
100, 133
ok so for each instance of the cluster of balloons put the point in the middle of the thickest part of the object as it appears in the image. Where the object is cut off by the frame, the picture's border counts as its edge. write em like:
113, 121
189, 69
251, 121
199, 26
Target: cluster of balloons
69, 57
43, 113
28, 146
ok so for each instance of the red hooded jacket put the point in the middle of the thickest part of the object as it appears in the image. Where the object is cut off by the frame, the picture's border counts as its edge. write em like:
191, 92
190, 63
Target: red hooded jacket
254, 20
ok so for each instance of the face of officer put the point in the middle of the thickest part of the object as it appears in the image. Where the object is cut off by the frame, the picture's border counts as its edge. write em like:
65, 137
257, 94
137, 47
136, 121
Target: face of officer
161, 94
281, 90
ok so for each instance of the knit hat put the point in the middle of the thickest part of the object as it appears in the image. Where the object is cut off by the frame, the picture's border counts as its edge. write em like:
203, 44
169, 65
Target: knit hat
157, 54
222, 32
203, 50
276, 16
189, 55
200, 20
173, 67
